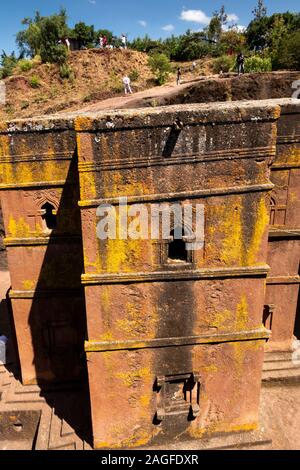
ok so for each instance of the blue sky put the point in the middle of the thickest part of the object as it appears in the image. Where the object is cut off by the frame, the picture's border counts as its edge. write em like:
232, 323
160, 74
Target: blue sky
158, 18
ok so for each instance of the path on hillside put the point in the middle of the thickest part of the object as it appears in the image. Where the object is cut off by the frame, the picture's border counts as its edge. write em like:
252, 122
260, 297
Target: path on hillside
125, 101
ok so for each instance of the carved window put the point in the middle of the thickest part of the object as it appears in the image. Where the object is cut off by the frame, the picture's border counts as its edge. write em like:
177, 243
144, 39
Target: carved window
277, 213
268, 316
177, 395
49, 216
176, 250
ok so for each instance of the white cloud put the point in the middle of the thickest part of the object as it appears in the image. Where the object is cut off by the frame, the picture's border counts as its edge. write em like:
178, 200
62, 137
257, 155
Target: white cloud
93, 2
195, 16
168, 27
238, 27
232, 17
142, 23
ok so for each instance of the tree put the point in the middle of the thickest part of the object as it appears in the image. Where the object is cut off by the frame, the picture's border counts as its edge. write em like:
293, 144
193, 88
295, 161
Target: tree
288, 55
84, 34
260, 11
33, 39
160, 66
216, 24
8, 63
51, 51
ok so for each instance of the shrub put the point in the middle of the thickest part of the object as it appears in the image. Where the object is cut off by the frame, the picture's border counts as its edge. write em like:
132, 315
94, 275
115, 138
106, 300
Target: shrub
34, 81
288, 56
224, 63
25, 65
258, 64
134, 75
66, 72
24, 105
8, 64
54, 54
160, 66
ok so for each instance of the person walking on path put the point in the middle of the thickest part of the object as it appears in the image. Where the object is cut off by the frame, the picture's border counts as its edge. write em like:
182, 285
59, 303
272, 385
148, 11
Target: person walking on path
178, 80
241, 63
126, 83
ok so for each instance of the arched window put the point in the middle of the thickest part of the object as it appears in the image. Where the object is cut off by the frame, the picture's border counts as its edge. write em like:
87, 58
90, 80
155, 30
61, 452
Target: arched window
277, 213
272, 211
49, 216
177, 250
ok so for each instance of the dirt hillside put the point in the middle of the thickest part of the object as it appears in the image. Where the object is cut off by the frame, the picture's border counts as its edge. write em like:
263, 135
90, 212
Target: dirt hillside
95, 75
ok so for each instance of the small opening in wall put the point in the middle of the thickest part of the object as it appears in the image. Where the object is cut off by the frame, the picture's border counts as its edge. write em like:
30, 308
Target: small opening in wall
49, 216
297, 320
177, 251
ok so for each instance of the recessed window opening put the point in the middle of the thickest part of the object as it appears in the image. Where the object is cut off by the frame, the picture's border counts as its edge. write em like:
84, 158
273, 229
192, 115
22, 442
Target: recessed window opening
177, 251
49, 216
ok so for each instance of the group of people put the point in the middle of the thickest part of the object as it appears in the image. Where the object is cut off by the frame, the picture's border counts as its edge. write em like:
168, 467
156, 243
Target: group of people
103, 42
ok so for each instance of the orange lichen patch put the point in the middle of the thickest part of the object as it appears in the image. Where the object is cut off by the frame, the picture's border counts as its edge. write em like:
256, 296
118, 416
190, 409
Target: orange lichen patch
18, 228
260, 228
221, 428
232, 252
131, 377
242, 314
28, 285
290, 156
222, 320
83, 123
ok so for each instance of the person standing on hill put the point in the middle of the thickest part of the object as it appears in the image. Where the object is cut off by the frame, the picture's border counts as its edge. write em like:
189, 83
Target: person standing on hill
178, 80
67, 43
241, 63
124, 41
126, 83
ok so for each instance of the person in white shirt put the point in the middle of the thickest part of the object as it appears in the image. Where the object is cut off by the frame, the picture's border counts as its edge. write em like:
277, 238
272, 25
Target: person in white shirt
67, 42
127, 87
124, 41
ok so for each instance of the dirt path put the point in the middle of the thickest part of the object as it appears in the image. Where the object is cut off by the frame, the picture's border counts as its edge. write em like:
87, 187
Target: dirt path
130, 100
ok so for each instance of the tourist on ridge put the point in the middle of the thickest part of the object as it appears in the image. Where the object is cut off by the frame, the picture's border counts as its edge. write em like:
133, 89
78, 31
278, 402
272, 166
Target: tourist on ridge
178, 80
68, 44
241, 63
126, 83
124, 41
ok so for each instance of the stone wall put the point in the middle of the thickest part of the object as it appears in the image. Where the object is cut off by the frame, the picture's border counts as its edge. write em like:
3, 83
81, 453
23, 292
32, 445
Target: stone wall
3, 260
227, 87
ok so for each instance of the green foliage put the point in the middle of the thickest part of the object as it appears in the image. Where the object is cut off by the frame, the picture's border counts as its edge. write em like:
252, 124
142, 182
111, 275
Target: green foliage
134, 75
224, 63
267, 31
288, 53
51, 51
34, 81
190, 46
25, 65
160, 66
233, 40
8, 64
258, 64
33, 40
24, 105
66, 72
84, 34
